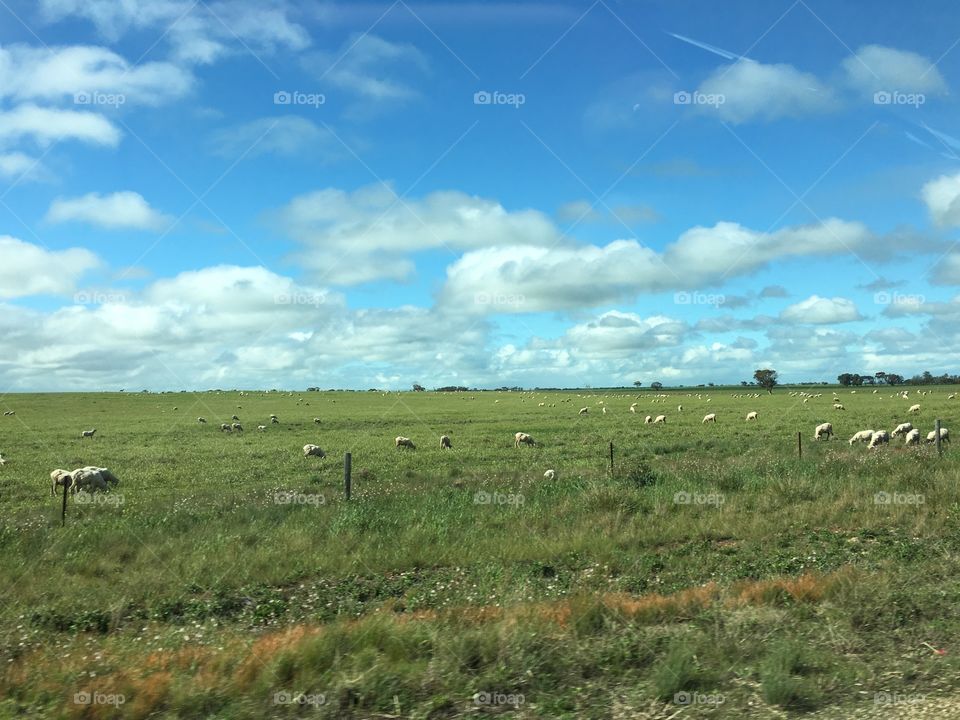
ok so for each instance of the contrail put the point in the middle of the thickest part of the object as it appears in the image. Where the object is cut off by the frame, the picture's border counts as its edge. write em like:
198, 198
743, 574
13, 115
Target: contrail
726, 54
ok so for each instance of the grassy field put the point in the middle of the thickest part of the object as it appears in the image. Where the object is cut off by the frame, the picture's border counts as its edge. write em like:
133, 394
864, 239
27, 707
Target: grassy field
713, 573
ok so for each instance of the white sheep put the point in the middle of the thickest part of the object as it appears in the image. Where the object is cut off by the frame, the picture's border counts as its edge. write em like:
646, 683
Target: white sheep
522, 438
752, 415
60, 478
404, 442
710, 417
914, 410
633, 408
862, 436
944, 435
201, 420
274, 420
273, 417
234, 417
261, 428
878, 438
224, 427
648, 419
584, 411
550, 475
912, 437
88, 479
314, 451
237, 426
661, 419
902, 429
679, 408
823, 429
9, 412
445, 443
87, 433
838, 406
316, 420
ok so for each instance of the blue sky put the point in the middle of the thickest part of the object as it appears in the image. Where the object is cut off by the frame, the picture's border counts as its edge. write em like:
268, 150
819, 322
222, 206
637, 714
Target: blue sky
280, 194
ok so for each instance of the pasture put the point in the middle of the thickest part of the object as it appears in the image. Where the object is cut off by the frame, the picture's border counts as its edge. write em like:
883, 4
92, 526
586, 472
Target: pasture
713, 573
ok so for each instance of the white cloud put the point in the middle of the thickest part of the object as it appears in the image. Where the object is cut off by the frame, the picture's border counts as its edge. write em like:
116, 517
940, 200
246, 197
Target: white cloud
875, 67
61, 73
351, 237
369, 66
755, 91
942, 198
578, 211
287, 135
816, 310
17, 165
46, 125
29, 269
197, 32
947, 270
116, 211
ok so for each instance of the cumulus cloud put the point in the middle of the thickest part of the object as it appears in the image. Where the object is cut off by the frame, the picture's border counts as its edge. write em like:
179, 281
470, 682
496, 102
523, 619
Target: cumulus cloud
942, 198
876, 68
117, 211
352, 237
755, 91
74, 72
818, 310
46, 125
29, 269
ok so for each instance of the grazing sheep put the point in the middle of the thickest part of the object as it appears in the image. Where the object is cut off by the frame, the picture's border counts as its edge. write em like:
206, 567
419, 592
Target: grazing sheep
404, 442
88, 479
862, 436
313, 450
316, 420
838, 406
584, 411
274, 420
237, 426
914, 410
235, 418
648, 419
878, 438
202, 421
633, 408
224, 427
273, 417
944, 435
604, 411
445, 443
87, 433
60, 478
662, 419
902, 429
912, 437
752, 415
550, 475
823, 429
3, 460
710, 417
261, 428
521, 438
9, 412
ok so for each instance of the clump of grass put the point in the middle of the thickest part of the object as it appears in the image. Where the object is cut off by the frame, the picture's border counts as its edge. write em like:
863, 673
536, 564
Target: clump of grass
677, 672
783, 680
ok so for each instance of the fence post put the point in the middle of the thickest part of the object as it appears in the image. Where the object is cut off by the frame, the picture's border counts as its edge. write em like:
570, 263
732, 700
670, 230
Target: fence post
936, 429
63, 508
346, 474
800, 445
611, 458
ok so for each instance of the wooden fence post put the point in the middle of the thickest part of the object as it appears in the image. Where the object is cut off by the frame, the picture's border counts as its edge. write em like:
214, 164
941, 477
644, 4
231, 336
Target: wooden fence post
800, 445
63, 508
936, 429
611, 458
346, 474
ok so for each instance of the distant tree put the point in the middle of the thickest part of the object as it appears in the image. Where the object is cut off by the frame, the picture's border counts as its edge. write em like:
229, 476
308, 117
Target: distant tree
868, 379
744, 383
637, 383
845, 379
656, 385
417, 387
894, 379
766, 379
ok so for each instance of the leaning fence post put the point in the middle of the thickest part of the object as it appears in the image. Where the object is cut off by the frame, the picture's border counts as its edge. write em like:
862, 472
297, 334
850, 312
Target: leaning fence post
346, 474
936, 429
800, 445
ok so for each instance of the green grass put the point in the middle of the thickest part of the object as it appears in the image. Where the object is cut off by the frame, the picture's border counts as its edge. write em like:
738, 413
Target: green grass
780, 581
